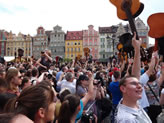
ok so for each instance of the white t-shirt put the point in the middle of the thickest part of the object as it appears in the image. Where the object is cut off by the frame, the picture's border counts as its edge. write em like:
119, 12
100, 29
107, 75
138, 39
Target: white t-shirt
69, 85
144, 101
125, 114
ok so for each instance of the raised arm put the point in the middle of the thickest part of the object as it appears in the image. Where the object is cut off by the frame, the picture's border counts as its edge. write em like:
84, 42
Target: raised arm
90, 92
137, 62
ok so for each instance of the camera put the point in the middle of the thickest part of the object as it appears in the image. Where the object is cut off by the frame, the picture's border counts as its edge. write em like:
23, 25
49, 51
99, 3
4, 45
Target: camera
87, 117
42, 52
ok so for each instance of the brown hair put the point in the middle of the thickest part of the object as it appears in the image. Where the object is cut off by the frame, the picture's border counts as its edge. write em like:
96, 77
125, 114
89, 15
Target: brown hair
68, 108
11, 73
123, 80
31, 99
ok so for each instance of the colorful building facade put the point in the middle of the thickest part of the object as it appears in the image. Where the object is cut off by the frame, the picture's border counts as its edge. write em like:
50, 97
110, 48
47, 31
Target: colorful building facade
3, 38
40, 42
73, 44
91, 41
57, 42
142, 30
21, 41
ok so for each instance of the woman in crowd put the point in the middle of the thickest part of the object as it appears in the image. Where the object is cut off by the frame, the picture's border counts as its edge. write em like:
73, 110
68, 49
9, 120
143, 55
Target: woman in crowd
82, 85
72, 107
13, 79
36, 102
44, 61
69, 109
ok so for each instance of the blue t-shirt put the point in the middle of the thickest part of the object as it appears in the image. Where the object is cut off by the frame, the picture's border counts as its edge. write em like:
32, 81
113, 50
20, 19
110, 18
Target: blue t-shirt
79, 115
58, 75
116, 93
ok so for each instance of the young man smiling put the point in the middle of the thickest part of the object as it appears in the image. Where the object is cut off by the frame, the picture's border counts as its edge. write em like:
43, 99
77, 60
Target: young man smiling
128, 109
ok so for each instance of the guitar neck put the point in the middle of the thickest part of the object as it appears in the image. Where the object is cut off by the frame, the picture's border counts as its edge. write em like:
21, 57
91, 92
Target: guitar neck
130, 19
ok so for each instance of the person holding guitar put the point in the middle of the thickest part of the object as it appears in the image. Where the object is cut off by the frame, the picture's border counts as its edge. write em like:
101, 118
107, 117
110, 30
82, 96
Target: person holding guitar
128, 109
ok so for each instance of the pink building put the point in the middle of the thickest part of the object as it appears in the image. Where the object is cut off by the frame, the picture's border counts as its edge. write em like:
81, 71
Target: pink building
91, 40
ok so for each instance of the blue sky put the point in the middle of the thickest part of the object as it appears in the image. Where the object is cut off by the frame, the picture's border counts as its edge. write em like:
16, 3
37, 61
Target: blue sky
26, 15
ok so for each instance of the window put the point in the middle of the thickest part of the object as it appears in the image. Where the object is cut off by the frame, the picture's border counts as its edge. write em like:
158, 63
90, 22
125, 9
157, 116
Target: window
79, 43
67, 49
75, 43
71, 49
67, 43
103, 55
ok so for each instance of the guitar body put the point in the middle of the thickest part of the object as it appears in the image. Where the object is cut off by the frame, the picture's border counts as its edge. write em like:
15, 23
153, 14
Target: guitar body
136, 8
156, 25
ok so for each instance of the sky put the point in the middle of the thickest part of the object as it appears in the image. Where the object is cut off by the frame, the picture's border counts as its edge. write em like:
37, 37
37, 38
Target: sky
26, 16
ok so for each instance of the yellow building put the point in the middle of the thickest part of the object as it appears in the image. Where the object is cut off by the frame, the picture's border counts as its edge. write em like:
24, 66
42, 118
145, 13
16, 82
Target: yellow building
14, 42
73, 44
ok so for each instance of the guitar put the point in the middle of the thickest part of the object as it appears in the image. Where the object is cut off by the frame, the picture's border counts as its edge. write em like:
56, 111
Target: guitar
86, 52
128, 10
156, 25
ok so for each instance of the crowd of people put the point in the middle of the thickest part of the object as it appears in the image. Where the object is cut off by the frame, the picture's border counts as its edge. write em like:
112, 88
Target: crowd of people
120, 91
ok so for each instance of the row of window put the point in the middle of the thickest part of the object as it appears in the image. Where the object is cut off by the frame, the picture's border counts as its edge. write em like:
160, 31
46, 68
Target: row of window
73, 49
90, 43
73, 43
18, 43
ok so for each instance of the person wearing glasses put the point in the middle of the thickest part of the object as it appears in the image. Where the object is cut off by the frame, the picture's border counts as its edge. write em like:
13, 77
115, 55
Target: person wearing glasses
129, 109
13, 80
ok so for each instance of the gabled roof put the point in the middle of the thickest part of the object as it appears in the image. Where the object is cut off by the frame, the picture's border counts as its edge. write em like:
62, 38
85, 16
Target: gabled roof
74, 35
111, 29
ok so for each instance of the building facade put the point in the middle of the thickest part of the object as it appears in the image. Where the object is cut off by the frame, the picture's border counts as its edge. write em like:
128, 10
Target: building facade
57, 42
21, 41
40, 42
108, 42
74, 44
142, 30
91, 41
3, 39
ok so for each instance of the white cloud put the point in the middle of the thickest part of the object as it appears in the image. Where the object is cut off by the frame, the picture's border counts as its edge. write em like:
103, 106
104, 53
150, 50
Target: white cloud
26, 15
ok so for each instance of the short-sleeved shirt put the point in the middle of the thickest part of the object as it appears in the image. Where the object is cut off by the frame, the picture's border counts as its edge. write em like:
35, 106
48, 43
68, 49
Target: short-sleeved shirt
127, 114
116, 93
151, 98
80, 91
69, 85
144, 101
